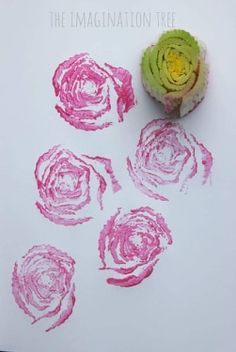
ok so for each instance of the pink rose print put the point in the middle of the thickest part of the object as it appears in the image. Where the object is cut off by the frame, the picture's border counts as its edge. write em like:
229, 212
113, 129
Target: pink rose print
68, 185
84, 92
42, 285
131, 244
166, 155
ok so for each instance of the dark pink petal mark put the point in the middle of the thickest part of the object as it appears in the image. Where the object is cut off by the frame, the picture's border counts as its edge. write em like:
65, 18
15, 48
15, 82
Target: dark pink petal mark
42, 285
131, 244
84, 90
69, 185
166, 155
122, 80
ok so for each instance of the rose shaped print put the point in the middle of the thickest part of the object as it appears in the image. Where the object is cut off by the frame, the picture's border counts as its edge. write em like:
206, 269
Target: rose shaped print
131, 244
85, 92
69, 185
166, 156
42, 285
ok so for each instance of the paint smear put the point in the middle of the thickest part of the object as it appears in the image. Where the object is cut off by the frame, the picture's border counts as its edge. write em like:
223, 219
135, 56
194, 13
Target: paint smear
130, 245
84, 90
69, 186
166, 155
42, 285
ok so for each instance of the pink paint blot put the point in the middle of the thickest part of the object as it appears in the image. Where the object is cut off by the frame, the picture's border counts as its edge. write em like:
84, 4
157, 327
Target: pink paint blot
166, 156
131, 244
69, 186
84, 90
42, 285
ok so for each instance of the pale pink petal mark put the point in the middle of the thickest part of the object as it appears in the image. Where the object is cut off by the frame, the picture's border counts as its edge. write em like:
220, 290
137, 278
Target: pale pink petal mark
167, 156
108, 167
84, 91
42, 285
131, 244
69, 185
207, 160
140, 185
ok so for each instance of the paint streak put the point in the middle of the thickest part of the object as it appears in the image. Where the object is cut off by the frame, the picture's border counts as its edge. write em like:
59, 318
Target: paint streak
69, 185
131, 244
84, 90
42, 285
167, 156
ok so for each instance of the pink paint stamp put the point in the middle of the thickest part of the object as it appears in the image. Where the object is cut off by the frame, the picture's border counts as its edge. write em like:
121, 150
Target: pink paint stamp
69, 185
167, 156
42, 285
130, 245
85, 89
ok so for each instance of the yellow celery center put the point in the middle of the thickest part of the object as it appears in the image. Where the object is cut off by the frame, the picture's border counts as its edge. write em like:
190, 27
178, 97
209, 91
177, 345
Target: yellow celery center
176, 64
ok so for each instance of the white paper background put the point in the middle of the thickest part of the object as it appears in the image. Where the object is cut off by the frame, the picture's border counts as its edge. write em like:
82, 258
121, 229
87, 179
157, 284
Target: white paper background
188, 304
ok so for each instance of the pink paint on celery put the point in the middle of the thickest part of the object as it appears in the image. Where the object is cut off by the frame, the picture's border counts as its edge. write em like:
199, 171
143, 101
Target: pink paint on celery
167, 156
85, 92
42, 285
69, 186
130, 245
